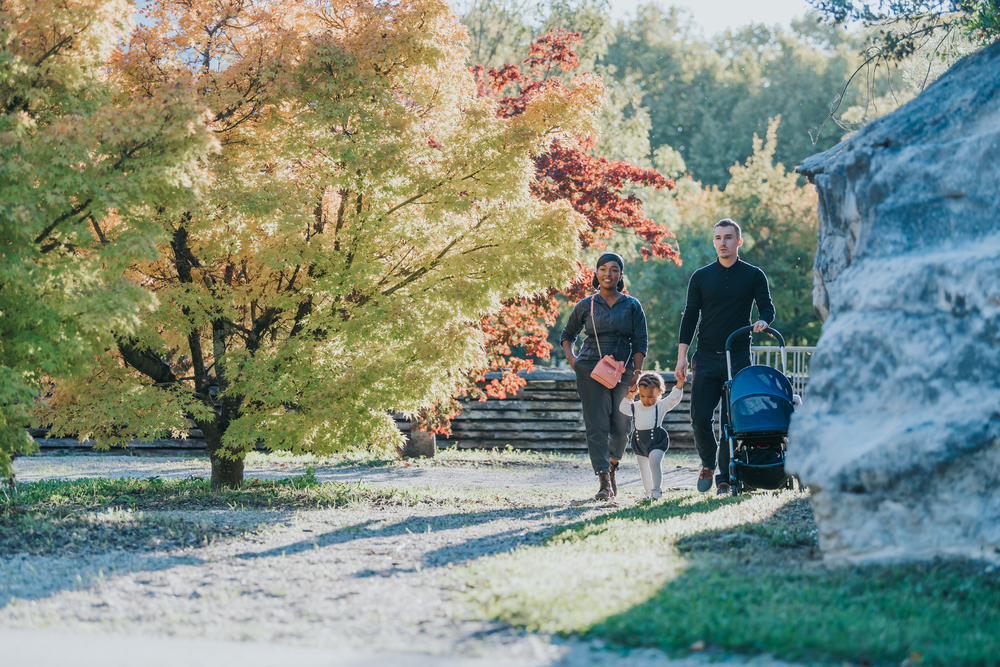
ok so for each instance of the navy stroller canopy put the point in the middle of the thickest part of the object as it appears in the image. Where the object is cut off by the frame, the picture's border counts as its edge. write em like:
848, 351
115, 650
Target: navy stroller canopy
760, 400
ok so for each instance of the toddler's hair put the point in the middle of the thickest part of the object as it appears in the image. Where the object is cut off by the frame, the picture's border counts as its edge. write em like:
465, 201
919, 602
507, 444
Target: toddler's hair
652, 379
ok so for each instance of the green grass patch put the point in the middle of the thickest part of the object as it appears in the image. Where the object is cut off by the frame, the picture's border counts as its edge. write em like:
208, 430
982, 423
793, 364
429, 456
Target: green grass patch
192, 493
738, 575
506, 457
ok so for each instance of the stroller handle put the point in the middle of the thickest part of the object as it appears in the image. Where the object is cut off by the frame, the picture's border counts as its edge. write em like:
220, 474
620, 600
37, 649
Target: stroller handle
745, 330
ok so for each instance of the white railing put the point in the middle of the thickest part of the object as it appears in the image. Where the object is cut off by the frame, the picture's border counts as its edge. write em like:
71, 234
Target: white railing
797, 358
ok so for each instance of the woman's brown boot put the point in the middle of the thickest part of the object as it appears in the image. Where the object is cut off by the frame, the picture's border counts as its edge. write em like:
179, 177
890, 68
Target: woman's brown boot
614, 484
605, 493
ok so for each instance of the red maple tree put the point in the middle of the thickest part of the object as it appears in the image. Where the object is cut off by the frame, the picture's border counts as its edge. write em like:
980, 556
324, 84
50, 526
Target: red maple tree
594, 186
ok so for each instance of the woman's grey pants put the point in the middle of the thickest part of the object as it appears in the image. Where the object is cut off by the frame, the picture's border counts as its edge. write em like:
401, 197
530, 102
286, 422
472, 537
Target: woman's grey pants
607, 427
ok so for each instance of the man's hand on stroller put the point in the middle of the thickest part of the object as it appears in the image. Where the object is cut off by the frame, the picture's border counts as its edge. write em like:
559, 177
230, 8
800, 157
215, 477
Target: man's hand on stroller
759, 325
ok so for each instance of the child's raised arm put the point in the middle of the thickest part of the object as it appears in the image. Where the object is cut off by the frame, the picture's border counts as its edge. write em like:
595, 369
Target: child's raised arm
670, 401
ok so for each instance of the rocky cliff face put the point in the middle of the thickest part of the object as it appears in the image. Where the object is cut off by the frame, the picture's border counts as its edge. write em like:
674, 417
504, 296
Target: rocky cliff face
899, 435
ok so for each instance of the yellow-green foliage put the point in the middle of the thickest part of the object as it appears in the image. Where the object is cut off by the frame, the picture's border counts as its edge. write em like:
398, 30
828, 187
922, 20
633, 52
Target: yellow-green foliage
368, 209
80, 178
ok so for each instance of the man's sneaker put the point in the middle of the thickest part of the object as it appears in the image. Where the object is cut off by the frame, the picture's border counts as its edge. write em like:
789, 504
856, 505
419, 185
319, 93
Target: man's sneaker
723, 488
656, 493
705, 480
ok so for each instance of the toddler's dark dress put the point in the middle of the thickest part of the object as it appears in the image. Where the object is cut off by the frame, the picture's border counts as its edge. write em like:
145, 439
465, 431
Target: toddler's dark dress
646, 440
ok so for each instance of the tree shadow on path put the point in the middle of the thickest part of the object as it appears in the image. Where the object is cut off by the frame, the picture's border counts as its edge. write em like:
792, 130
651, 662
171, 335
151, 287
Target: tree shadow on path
458, 550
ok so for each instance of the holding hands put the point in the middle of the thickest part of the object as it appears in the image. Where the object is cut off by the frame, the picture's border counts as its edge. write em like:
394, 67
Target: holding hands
681, 371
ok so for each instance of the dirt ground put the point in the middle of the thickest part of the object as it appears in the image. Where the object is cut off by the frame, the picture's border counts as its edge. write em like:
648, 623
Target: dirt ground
371, 579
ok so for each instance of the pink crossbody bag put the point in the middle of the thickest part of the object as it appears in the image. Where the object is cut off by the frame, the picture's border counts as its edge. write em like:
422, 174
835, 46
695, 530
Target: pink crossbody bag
608, 370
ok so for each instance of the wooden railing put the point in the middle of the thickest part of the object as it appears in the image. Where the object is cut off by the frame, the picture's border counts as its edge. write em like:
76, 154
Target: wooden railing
797, 359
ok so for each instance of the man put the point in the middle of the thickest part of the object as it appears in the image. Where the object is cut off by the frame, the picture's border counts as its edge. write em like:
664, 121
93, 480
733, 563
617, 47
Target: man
722, 294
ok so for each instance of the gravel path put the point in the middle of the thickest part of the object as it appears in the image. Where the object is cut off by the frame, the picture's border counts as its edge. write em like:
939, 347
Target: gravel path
359, 581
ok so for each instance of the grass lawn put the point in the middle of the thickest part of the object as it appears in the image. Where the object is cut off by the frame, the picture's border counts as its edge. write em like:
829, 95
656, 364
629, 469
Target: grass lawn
739, 575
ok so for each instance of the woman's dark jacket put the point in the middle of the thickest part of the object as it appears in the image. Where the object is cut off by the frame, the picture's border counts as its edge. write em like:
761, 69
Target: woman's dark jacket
621, 329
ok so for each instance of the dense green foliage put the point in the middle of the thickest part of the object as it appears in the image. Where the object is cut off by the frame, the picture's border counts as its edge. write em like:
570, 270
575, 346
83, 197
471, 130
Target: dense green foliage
80, 164
706, 98
671, 85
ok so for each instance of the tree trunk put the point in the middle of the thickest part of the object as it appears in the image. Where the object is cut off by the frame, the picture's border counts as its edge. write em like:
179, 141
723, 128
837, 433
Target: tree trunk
226, 473
419, 444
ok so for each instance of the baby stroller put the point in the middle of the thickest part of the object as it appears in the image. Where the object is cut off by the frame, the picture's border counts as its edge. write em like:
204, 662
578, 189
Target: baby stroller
761, 403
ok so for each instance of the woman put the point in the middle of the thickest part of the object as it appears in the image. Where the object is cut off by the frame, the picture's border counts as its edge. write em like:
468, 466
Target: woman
620, 325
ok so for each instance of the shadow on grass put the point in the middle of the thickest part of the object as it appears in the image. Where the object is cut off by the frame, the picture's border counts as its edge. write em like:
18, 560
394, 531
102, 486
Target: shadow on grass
650, 511
759, 588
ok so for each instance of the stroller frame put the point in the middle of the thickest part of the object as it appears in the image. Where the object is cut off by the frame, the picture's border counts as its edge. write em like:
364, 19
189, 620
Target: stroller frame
761, 440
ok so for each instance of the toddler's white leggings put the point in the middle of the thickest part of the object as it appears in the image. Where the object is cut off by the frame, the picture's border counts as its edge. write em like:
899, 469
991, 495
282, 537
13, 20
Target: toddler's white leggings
649, 468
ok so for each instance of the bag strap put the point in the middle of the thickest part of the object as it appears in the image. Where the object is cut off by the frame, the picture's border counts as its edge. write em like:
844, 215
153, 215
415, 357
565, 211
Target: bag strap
596, 337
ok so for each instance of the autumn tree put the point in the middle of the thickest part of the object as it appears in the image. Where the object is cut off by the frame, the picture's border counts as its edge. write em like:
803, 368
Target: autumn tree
85, 175
369, 208
603, 191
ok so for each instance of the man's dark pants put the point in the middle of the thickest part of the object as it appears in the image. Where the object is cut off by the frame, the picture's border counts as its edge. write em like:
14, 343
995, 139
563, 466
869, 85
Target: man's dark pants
710, 375
607, 427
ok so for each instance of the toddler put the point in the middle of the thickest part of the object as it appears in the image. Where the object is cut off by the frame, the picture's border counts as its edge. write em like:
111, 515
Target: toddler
648, 438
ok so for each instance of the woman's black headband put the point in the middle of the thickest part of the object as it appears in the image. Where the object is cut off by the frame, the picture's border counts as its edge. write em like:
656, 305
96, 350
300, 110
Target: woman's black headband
611, 257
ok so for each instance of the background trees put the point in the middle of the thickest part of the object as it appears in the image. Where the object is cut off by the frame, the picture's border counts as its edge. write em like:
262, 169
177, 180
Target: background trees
706, 97
779, 222
85, 172
691, 107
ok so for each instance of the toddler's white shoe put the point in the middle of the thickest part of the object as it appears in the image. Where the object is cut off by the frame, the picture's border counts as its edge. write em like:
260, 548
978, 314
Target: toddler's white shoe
656, 493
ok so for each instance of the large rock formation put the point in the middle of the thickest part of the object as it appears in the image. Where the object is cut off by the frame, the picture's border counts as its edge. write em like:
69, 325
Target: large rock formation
899, 435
